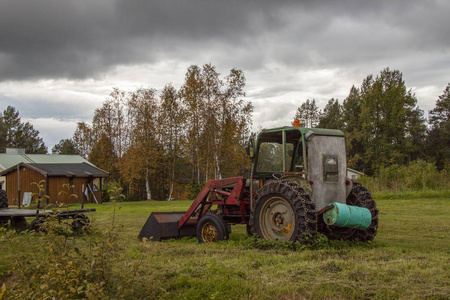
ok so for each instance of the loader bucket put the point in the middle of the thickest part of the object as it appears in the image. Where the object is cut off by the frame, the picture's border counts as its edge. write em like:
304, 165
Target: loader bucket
164, 225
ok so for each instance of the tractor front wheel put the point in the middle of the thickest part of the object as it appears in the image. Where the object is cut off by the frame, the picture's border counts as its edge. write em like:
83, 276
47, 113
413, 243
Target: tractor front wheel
211, 228
283, 212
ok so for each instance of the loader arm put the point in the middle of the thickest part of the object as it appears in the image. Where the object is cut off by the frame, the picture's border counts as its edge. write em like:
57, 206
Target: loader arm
202, 197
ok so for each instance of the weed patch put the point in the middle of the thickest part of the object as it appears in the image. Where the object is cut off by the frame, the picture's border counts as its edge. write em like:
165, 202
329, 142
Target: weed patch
60, 263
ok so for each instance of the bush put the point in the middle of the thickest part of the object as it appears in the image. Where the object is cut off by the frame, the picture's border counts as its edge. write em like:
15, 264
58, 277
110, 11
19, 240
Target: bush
194, 189
69, 265
419, 175
111, 191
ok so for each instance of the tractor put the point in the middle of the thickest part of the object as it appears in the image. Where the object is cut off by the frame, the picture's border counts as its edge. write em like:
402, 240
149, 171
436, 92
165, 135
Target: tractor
297, 187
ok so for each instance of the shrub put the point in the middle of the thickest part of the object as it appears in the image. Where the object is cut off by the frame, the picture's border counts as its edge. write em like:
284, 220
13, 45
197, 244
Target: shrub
68, 265
419, 175
194, 189
111, 191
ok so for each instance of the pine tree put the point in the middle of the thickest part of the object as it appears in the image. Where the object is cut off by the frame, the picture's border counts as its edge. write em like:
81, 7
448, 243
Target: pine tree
438, 140
65, 146
383, 124
331, 117
17, 134
308, 114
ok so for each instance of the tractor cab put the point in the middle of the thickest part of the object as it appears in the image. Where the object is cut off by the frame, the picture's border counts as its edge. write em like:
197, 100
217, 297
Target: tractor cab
314, 158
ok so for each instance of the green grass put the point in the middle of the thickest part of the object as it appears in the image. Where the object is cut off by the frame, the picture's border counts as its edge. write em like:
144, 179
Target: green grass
409, 259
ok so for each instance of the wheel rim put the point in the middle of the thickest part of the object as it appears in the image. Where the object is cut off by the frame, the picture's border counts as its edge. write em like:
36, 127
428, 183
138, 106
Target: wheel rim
209, 233
277, 219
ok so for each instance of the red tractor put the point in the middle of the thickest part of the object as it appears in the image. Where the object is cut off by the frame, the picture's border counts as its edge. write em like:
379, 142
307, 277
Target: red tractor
298, 186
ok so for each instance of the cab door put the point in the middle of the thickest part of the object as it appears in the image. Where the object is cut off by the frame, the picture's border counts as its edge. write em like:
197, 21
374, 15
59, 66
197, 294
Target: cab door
327, 169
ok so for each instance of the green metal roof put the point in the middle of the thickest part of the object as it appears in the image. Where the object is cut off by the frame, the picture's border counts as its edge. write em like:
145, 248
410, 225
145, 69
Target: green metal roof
9, 160
303, 130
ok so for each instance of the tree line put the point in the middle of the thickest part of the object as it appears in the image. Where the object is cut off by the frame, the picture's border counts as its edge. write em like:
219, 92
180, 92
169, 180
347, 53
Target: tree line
150, 141
383, 125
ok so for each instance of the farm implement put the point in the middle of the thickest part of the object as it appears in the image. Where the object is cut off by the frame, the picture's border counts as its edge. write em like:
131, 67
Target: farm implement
298, 186
16, 217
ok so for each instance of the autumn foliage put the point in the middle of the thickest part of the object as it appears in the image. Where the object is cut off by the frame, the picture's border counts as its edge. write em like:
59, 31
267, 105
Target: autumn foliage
154, 143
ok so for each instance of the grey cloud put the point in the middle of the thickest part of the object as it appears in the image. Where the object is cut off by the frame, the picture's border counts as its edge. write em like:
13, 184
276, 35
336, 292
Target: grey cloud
82, 39
78, 39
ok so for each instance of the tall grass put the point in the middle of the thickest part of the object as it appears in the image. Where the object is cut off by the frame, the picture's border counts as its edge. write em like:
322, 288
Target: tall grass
418, 176
408, 259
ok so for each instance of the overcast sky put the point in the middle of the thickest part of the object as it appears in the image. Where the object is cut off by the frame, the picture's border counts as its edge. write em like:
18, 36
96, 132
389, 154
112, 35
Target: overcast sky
59, 60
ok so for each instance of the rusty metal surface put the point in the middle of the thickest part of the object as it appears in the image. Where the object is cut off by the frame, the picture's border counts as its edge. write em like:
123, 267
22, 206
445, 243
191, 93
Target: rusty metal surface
203, 195
164, 225
325, 209
10, 212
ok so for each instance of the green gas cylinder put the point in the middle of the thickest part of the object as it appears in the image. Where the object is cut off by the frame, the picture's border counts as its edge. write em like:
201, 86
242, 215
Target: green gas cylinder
344, 215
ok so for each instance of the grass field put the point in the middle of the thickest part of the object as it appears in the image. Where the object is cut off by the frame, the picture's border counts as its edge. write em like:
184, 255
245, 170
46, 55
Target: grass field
409, 259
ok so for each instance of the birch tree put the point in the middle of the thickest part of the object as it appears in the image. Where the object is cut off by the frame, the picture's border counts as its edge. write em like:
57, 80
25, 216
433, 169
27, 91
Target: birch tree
143, 108
83, 138
192, 99
172, 133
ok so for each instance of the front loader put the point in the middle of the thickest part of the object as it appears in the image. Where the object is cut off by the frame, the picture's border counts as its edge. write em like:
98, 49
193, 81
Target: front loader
297, 187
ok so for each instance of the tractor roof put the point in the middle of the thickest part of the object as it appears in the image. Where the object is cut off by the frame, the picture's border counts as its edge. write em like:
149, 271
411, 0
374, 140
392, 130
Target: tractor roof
304, 130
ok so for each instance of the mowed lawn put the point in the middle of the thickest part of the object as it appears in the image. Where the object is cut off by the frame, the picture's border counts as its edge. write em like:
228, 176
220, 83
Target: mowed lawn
409, 259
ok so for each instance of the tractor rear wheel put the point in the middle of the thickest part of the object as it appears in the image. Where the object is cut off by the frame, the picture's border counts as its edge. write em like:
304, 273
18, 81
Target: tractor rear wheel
283, 211
3, 199
211, 228
359, 196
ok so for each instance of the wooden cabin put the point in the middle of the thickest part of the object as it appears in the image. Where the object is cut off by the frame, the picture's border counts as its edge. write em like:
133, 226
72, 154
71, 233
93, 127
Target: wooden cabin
61, 182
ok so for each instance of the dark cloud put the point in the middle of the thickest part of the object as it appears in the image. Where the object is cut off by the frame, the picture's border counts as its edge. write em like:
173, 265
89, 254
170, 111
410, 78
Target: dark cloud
45, 39
82, 39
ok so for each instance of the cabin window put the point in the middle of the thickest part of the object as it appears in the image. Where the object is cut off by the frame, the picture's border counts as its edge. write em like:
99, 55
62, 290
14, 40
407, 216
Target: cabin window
270, 157
330, 168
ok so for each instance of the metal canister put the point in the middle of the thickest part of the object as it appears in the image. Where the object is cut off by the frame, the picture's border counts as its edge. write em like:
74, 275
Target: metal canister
344, 215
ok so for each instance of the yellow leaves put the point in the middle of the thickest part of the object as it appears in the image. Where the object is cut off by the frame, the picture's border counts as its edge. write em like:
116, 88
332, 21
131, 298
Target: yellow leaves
68, 187
2, 291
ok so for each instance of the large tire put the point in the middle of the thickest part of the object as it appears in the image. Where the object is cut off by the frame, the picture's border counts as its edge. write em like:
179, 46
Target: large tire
3, 199
37, 225
283, 211
359, 196
211, 228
